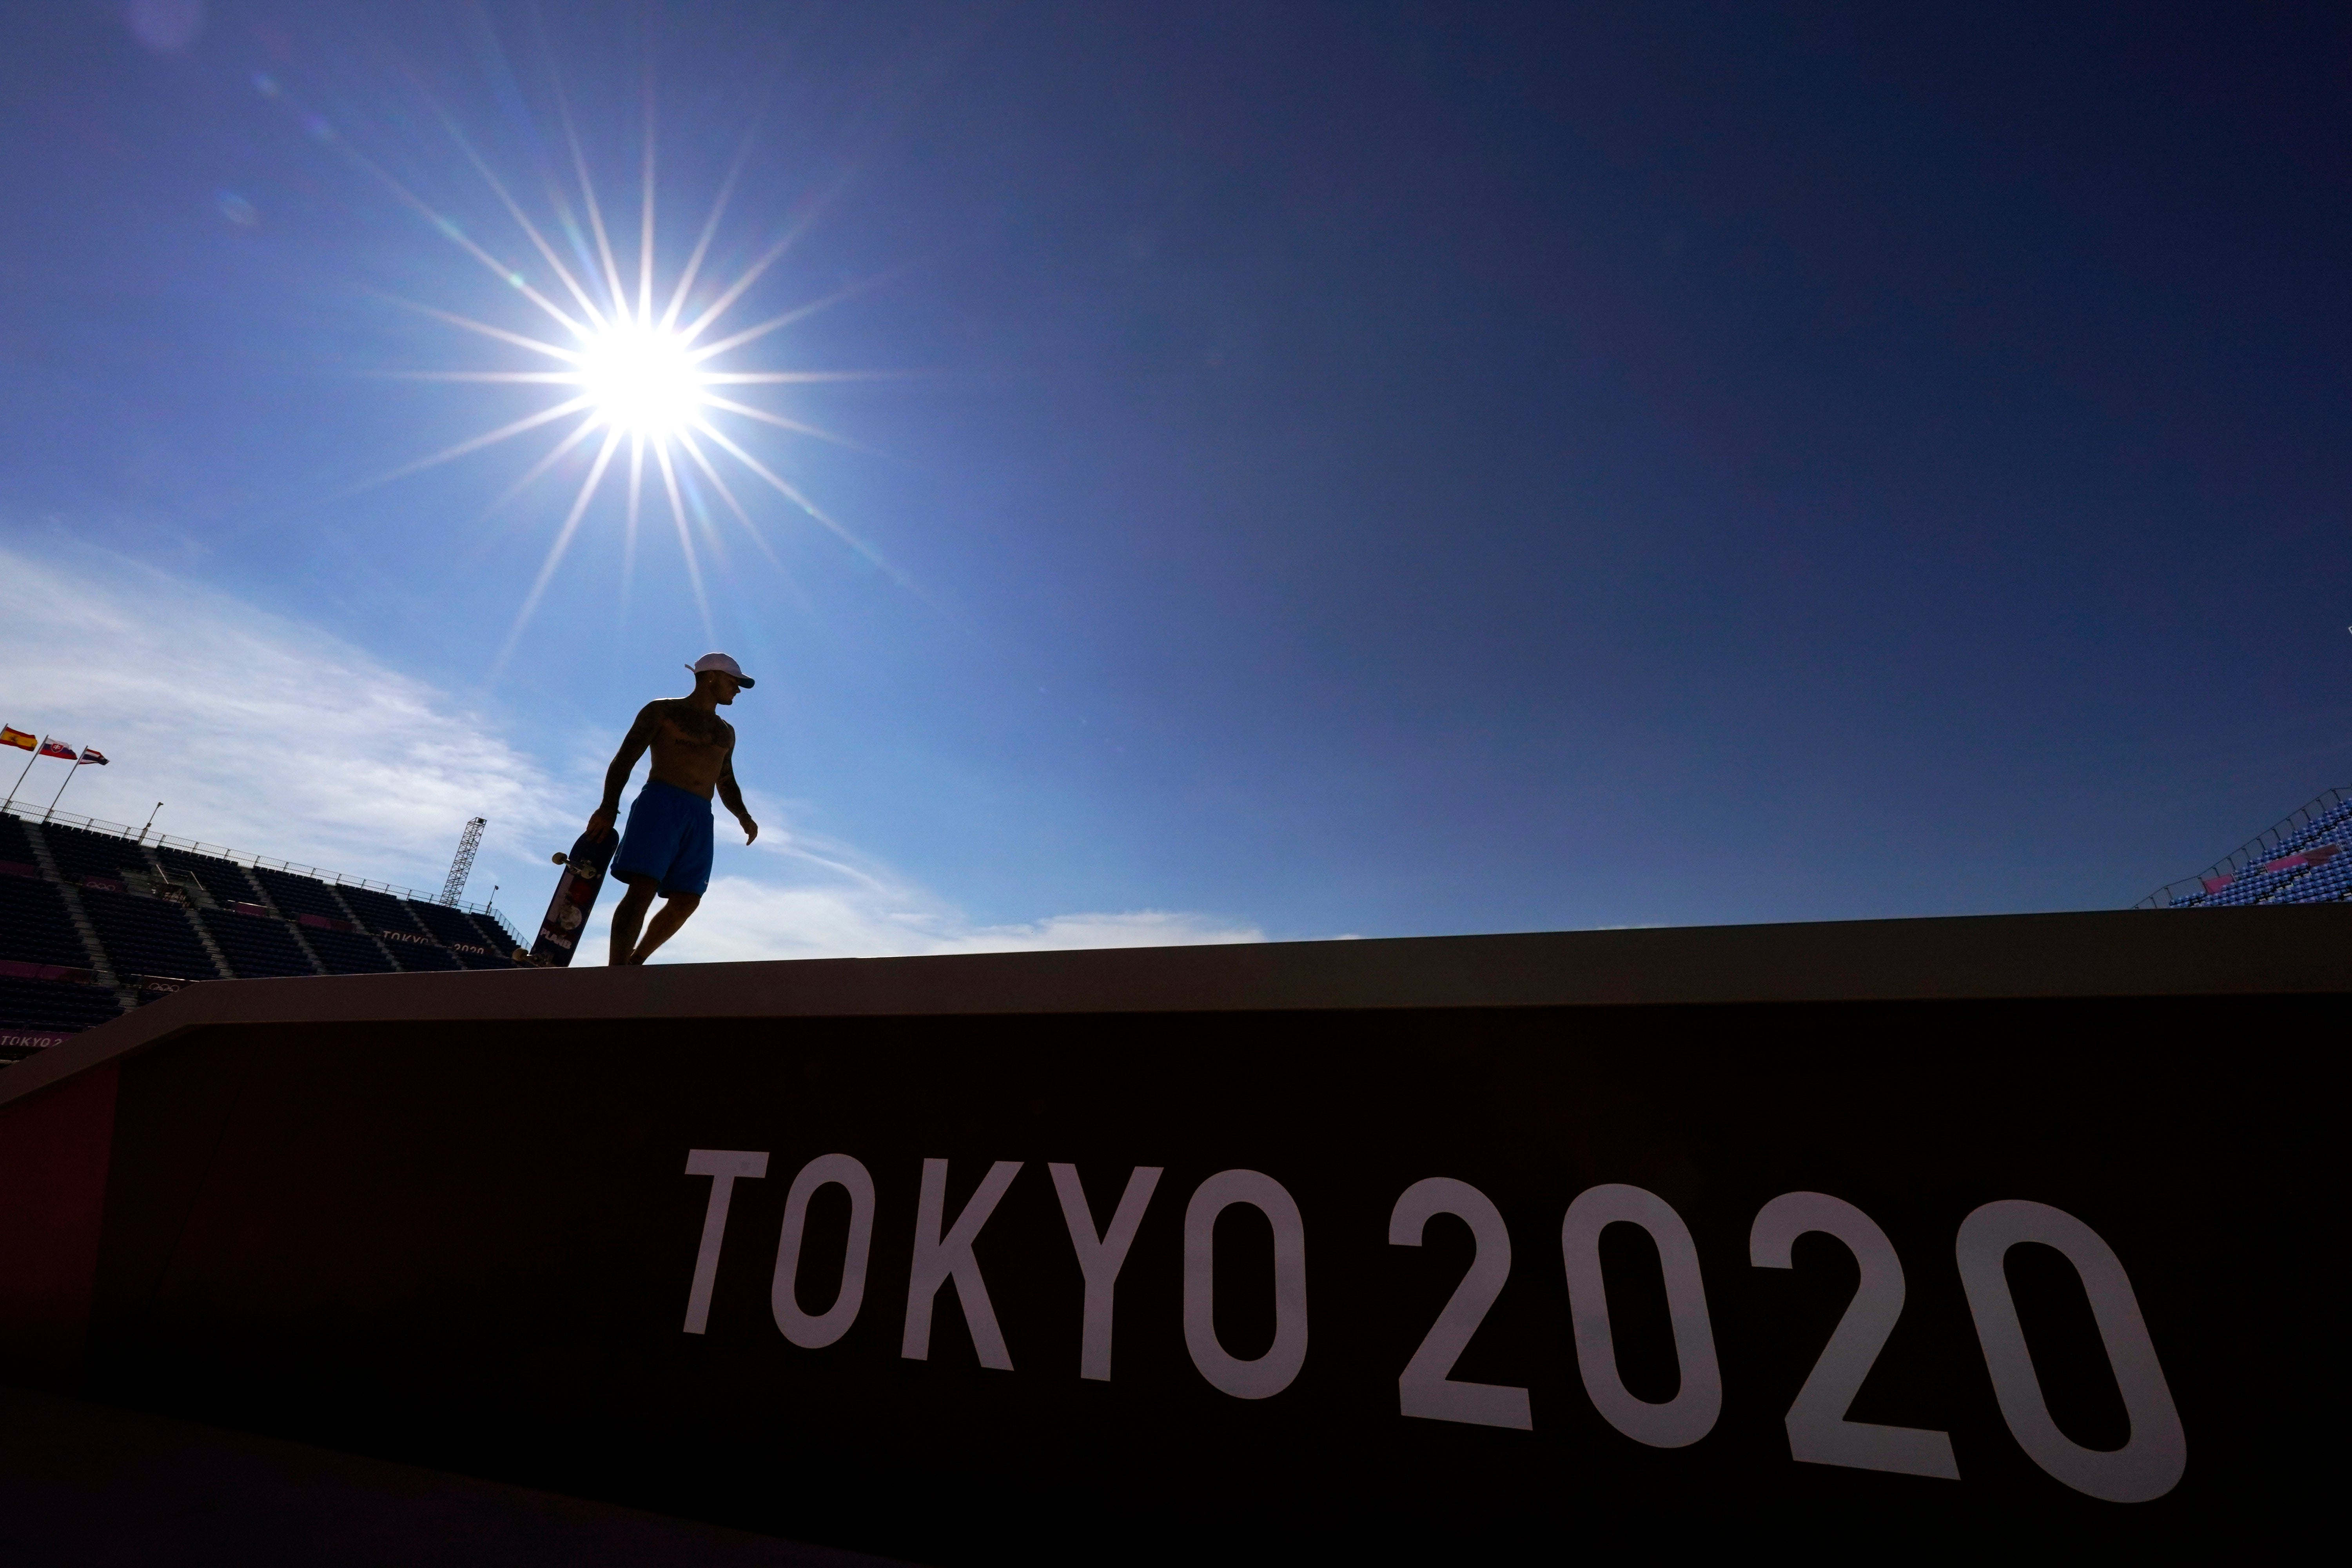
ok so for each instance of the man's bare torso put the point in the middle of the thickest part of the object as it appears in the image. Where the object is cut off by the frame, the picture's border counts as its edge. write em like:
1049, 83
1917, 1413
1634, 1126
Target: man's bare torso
694, 750
690, 748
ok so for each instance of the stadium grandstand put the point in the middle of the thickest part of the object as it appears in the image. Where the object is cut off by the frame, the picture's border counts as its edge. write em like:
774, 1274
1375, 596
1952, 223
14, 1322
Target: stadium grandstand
96, 919
2304, 859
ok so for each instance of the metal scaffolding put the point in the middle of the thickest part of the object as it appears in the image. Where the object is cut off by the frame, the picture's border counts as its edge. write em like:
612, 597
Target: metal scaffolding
463, 865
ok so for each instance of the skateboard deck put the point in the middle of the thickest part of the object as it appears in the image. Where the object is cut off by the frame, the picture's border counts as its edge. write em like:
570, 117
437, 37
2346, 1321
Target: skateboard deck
575, 899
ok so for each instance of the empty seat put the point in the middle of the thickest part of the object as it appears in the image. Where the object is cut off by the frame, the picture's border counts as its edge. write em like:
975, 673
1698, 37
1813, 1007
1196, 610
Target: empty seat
80, 854
348, 953
16, 844
298, 895
256, 946
422, 955
447, 924
225, 879
147, 936
54, 1004
380, 911
501, 940
2327, 823
35, 927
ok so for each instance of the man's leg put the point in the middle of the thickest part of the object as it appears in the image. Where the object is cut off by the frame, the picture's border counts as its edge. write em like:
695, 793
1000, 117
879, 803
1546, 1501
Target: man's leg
628, 916
674, 907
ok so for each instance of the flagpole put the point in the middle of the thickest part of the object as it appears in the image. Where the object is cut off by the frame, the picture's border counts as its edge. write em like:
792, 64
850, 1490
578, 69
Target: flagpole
20, 777
61, 788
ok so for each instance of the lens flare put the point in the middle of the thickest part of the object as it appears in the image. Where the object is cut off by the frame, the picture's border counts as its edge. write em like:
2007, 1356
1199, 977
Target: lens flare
641, 380
627, 360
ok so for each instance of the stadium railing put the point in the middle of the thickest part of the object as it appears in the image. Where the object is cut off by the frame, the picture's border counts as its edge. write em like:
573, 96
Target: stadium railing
2264, 846
221, 852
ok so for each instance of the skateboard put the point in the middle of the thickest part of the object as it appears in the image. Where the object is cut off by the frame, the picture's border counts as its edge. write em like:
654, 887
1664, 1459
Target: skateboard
575, 901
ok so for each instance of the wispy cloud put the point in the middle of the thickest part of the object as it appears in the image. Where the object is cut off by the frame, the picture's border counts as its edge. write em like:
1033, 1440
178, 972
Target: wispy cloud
815, 898
261, 733
820, 917
274, 737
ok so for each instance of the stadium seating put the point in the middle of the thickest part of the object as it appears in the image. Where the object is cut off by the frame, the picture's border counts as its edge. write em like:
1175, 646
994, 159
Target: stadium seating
2325, 822
473, 946
447, 925
147, 936
256, 946
79, 853
35, 927
381, 912
347, 952
140, 935
297, 895
54, 1004
422, 955
407, 917
16, 844
225, 879
499, 938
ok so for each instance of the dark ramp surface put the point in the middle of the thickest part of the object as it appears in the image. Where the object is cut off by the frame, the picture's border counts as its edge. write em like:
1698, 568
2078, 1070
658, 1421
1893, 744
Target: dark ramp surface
97, 1486
1436, 1251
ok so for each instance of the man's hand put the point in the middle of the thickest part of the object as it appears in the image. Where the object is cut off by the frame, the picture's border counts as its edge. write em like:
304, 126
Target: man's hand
751, 828
600, 822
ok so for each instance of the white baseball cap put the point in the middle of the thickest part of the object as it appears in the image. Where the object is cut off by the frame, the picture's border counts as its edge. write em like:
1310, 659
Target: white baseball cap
725, 664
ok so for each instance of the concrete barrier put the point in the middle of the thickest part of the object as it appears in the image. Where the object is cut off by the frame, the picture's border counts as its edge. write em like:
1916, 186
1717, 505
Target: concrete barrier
1900, 1234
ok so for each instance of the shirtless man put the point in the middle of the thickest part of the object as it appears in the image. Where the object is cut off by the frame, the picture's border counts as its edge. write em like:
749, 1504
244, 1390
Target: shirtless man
667, 848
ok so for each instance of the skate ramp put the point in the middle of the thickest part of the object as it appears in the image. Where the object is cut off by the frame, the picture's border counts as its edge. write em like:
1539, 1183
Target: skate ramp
1984, 1230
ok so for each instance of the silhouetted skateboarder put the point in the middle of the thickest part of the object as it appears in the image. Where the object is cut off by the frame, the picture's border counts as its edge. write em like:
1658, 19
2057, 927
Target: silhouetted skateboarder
666, 847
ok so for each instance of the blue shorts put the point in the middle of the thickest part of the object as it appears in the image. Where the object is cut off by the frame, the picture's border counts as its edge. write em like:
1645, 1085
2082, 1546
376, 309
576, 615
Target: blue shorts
667, 839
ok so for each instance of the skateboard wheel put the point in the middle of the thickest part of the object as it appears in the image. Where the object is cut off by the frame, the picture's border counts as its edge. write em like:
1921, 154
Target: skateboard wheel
557, 857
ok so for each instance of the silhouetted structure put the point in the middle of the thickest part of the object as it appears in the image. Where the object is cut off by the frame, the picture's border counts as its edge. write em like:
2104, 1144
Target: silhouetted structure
95, 918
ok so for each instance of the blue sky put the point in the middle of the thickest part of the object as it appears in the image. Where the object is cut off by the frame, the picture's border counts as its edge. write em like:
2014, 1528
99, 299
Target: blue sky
1367, 471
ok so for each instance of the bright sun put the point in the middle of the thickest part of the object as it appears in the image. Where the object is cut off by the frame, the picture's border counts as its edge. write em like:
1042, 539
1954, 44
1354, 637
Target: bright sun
642, 383
641, 380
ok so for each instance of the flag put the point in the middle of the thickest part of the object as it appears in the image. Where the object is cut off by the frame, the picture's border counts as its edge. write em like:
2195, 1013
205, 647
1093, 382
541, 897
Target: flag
52, 748
13, 737
92, 754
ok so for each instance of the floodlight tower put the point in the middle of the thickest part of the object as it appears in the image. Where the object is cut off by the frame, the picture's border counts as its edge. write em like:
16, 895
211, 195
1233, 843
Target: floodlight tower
463, 865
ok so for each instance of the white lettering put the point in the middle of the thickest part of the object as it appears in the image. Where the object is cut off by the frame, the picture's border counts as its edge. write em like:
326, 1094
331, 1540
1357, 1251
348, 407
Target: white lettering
1690, 1414
1424, 1389
1099, 1258
722, 1166
940, 1257
1271, 1373
815, 1333
1819, 1432
2153, 1457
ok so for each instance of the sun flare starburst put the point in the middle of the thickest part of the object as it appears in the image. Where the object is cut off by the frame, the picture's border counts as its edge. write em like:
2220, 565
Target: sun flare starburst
640, 380
629, 365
